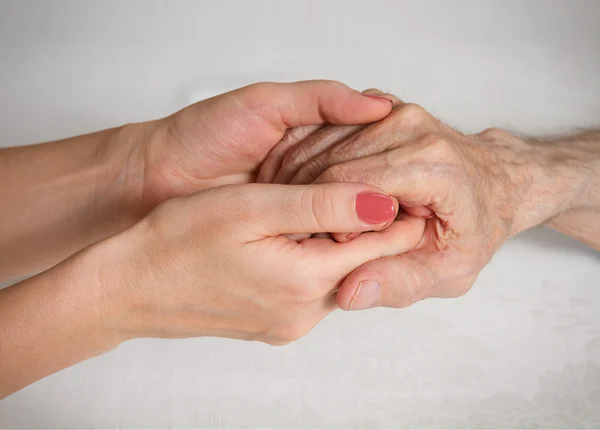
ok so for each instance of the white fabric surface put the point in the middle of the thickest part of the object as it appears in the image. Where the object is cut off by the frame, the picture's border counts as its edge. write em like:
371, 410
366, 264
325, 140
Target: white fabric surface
522, 349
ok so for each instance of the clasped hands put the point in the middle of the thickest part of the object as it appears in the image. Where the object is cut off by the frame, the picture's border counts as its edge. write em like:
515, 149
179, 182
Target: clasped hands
262, 210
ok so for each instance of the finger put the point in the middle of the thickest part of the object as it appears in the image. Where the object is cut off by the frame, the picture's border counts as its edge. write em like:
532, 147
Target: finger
319, 143
400, 237
312, 146
322, 236
420, 211
297, 237
283, 153
274, 160
402, 126
393, 281
284, 209
347, 237
286, 105
417, 211
395, 100
407, 174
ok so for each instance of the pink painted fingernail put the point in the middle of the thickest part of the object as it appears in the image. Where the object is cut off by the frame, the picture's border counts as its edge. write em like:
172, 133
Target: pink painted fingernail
375, 208
381, 99
366, 295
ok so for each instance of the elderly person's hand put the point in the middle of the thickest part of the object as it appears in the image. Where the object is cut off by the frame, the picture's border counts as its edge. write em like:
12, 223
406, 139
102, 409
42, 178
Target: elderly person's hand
476, 191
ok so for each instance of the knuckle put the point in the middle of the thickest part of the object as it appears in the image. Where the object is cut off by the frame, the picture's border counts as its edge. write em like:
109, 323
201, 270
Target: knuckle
376, 92
338, 84
434, 141
321, 207
325, 84
332, 84
395, 100
411, 116
373, 91
438, 147
494, 134
258, 88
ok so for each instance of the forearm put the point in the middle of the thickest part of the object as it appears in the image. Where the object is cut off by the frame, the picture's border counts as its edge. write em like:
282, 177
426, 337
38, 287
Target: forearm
581, 220
52, 321
58, 197
564, 187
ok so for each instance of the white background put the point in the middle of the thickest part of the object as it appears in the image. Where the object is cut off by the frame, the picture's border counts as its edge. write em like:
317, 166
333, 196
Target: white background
522, 349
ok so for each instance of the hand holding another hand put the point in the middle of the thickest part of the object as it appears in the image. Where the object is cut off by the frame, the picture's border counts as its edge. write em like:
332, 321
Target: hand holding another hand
474, 191
169, 246
156, 241
218, 263
223, 140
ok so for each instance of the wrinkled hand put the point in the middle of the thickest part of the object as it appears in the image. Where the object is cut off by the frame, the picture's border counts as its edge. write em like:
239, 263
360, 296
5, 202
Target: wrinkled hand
218, 263
475, 191
224, 139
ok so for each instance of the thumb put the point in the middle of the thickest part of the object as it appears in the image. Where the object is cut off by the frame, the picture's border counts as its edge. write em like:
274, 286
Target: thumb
394, 281
286, 105
335, 207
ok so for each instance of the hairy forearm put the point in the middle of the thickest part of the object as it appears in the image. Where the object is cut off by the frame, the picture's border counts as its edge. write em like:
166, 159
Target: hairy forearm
561, 185
581, 218
58, 197
52, 321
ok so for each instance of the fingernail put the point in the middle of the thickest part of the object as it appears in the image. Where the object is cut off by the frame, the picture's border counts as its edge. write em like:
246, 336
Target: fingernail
375, 208
381, 99
366, 295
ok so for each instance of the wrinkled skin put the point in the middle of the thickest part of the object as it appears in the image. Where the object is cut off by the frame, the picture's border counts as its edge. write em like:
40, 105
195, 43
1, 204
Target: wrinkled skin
474, 190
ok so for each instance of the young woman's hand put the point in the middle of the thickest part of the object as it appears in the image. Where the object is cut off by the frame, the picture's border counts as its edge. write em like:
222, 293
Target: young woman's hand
219, 263
224, 139
214, 263
93, 186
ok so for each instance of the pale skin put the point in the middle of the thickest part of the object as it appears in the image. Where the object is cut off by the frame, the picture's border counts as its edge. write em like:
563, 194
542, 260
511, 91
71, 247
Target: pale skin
154, 249
143, 241
475, 192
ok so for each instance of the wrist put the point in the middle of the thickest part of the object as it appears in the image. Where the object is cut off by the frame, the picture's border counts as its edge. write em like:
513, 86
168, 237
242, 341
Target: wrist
124, 155
143, 170
562, 176
120, 273
103, 288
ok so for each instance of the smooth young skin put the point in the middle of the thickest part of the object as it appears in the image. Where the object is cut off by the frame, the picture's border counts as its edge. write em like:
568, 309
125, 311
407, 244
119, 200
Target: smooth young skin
211, 264
214, 263
92, 186
475, 192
